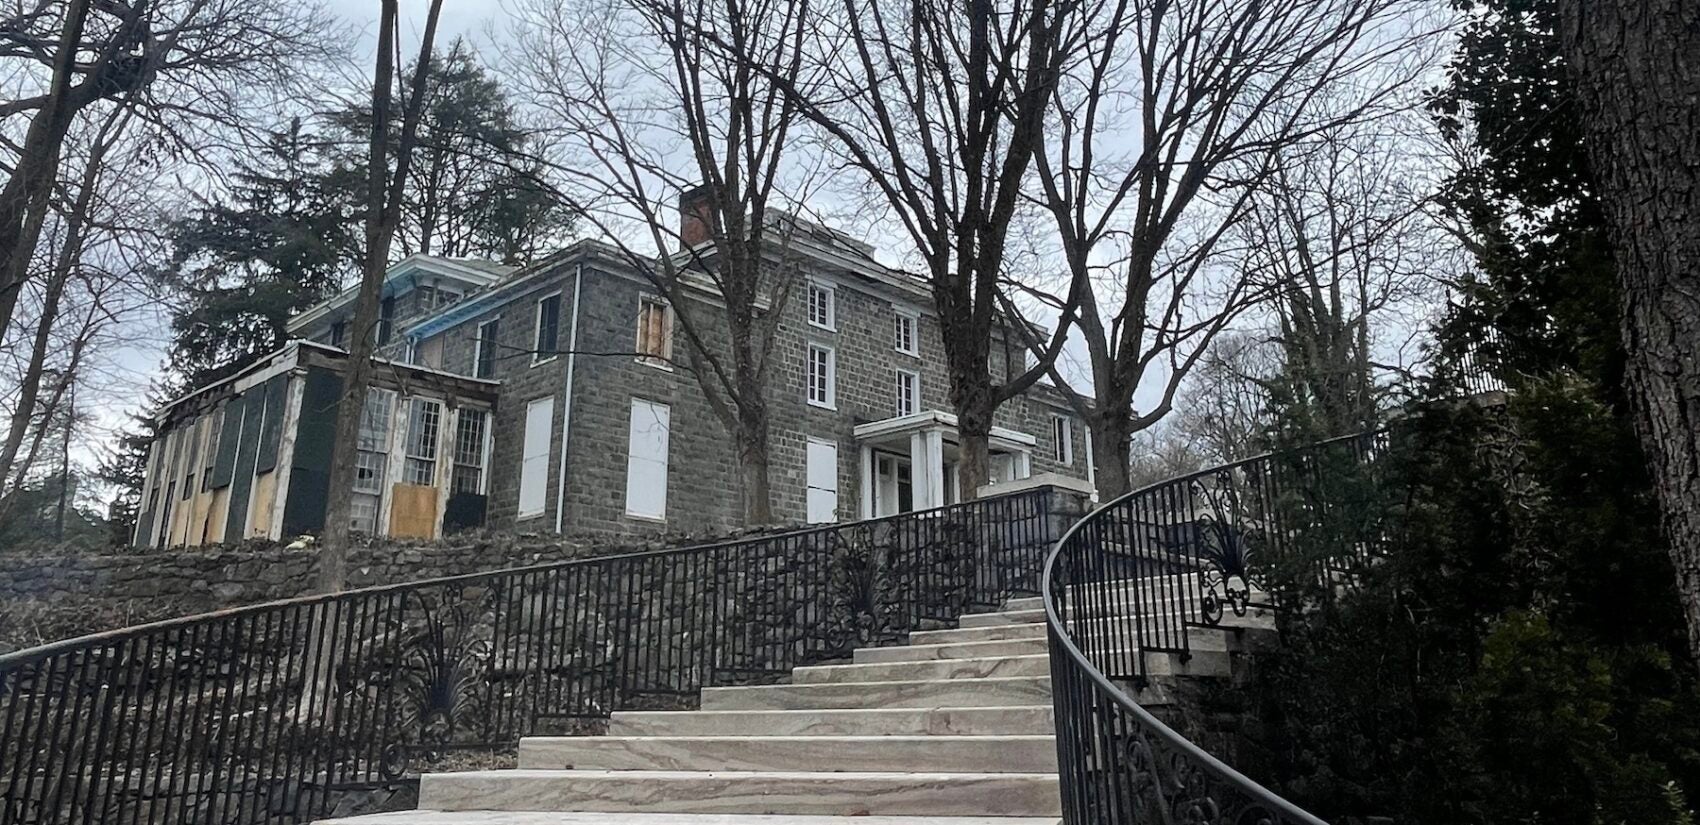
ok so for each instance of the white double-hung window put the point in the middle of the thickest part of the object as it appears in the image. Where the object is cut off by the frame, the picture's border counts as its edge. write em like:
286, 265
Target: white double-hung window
904, 339
908, 387
823, 306
822, 369
1062, 439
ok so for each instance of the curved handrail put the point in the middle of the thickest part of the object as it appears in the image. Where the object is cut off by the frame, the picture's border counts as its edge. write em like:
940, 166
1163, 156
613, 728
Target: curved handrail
1119, 763
266, 713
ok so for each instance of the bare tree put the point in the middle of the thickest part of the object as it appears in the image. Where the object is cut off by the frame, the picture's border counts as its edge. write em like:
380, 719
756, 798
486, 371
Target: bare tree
662, 130
1339, 236
1207, 93
1636, 65
180, 59
939, 107
385, 187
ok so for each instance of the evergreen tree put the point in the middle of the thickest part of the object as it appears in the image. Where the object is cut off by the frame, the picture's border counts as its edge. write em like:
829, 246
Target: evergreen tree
475, 188
278, 243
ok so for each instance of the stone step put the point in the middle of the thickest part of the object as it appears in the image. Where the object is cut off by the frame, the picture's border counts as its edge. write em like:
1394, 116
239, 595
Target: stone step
952, 650
940, 694
974, 620
1121, 602
1014, 720
993, 633
567, 818
937, 754
744, 792
989, 667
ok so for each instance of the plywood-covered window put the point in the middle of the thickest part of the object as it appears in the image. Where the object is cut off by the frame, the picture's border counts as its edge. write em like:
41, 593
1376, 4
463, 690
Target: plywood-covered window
646, 460
822, 481
534, 458
654, 331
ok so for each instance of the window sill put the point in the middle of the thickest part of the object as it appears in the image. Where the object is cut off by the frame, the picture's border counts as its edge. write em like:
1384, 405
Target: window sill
646, 519
821, 405
524, 516
652, 361
823, 327
538, 362
911, 354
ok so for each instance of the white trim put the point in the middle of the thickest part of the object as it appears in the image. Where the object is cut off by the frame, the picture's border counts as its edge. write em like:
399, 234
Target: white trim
922, 420
567, 402
831, 401
434, 264
537, 357
831, 292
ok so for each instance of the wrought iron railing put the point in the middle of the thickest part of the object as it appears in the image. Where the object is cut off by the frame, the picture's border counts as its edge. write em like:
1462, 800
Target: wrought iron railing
1131, 580
270, 713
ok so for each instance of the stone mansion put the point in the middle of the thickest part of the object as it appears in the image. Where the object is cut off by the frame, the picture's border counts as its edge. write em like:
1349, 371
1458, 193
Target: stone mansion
547, 398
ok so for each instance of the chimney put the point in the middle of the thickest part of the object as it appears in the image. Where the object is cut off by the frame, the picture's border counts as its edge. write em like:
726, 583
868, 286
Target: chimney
696, 217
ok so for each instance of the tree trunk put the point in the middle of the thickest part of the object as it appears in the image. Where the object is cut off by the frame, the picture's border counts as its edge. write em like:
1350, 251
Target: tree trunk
1637, 67
1112, 440
753, 462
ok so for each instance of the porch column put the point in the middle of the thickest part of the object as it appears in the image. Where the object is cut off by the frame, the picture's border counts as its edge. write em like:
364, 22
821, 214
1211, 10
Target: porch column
926, 466
867, 477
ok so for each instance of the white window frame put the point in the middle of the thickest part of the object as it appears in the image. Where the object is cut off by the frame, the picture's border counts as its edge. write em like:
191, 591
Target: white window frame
664, 360
537, 356
831, 293
907, 400
830, 402
645, 411
811, 501
424, 454
541, 489
1062, 432
899, 318
478, 346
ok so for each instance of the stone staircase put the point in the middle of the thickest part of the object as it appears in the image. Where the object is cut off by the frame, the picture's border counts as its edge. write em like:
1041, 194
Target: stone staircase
954, 728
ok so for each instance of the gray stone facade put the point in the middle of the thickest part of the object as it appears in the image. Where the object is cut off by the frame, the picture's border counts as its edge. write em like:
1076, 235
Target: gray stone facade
592, 415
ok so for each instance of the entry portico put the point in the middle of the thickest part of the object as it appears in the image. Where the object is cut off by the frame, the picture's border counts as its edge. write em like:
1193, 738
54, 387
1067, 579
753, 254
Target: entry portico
911, 462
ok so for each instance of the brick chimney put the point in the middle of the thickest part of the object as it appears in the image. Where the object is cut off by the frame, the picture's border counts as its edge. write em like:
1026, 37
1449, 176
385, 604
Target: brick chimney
696, 217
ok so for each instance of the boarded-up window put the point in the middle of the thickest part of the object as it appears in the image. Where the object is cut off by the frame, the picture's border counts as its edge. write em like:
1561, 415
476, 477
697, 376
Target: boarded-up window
230, 435
271, 424
654, 330
534, 463
646, 461
823, 481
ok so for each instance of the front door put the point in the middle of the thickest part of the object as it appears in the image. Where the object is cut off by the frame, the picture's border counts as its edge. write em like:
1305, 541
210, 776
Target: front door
894, 485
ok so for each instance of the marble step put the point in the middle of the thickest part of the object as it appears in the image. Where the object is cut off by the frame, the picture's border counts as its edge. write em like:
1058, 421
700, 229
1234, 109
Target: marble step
937, 754
1116, 602
941, 694
568, 818
989, 667
1013, 720
1005, 617
1032, 646
993, 633
744, 792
